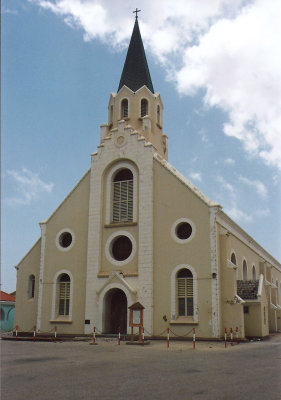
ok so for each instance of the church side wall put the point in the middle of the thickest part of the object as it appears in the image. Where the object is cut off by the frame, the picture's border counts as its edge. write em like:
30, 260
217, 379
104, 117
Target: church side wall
71, 216
245, 254
232, 313
173, 201
26, 307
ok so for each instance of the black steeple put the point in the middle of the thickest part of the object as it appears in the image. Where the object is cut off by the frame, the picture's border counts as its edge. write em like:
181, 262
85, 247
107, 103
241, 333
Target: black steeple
135, 72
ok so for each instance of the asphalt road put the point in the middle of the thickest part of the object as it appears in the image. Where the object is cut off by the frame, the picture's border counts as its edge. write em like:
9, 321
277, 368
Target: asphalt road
79, 371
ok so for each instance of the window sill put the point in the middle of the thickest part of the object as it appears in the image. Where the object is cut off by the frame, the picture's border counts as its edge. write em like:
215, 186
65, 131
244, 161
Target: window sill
184, 321
60, 320
119, 224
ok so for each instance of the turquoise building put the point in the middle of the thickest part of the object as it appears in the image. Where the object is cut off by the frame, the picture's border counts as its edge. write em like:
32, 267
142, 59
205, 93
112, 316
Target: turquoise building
7, 310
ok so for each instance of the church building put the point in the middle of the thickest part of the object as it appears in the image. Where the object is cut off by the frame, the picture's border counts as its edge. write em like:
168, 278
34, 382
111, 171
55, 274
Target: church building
134, 229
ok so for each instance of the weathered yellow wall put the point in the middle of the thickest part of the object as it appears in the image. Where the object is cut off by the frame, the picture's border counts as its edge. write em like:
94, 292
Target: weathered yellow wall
72, 214
232, 314
173, 200
26, 309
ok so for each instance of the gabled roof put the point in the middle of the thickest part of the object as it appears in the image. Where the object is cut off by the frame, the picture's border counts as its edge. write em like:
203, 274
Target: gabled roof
248, 290
135, 72
185, 181
6, 296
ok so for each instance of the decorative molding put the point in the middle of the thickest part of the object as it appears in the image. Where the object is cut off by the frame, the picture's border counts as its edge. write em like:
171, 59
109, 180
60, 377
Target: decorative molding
43, 226
215, 270
173, 230
109, 244
65, 230
54, 298
174, 314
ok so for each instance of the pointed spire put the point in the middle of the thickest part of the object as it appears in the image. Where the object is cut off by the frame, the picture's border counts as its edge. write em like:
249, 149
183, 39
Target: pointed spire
135, 72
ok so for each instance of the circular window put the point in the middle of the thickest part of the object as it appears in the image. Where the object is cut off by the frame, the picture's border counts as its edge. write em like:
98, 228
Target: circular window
65, 239
183, 230
121, 248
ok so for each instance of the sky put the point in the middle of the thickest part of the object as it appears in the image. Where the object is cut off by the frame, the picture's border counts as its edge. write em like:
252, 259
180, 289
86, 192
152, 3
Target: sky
217, 66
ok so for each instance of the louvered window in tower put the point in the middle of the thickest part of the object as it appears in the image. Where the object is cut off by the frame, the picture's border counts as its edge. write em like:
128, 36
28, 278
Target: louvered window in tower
185, 293
144, 107
64, 294
124, 108
123, 185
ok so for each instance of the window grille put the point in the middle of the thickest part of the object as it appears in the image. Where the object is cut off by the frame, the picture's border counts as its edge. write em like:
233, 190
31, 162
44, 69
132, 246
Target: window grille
123, 201
144, 107
245, 270
185, 293
64, 294
124, 108
31, 286
123, 190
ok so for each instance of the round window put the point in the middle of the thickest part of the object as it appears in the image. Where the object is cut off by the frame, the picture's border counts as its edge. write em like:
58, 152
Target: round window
65, 239
183, 230
121, 248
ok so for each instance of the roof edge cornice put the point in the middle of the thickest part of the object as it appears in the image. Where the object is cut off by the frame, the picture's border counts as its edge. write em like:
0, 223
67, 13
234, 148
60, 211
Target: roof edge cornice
228, 223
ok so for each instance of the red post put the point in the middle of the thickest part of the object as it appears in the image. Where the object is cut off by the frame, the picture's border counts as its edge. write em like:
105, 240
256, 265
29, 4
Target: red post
34, 332
231, 336
94, 335
168, 337
17, 332
194, 338
143, 336
55, 339
225, 337
237, 341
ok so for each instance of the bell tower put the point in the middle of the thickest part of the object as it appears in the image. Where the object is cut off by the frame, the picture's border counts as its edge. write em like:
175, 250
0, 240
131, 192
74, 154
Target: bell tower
135, 101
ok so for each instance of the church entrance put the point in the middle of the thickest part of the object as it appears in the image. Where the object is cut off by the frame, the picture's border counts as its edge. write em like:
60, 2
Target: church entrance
115, 311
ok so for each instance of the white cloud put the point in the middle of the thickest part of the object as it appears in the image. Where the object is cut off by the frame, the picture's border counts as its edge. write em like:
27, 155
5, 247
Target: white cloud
196, 176
239, 215
238, 63
263, 213
9, 11
225, 185
229, 161
230, 49
231, 199
257, 185
28, 186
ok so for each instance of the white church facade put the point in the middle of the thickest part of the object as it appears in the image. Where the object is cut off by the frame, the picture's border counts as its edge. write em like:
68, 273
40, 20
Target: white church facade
136, 230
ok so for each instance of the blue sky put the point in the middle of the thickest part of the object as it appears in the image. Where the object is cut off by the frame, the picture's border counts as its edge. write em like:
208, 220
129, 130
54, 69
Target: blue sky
217, 67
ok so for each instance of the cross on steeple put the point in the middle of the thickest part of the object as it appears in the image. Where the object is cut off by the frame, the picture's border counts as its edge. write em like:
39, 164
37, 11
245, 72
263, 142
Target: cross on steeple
136, 12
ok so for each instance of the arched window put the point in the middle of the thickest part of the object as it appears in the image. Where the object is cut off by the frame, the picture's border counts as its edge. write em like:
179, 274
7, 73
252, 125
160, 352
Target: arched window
185, 292
31, 287
111, 115
124, 108
245, 270
64, 294
233, 259
254, 273
123, 187
158, 115
2, 314
144, 107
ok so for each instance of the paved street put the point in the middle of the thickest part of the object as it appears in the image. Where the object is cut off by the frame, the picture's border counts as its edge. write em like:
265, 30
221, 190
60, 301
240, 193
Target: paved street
77, 370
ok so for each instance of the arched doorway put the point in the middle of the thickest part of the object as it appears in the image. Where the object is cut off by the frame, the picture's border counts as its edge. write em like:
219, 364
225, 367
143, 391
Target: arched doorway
115, 311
